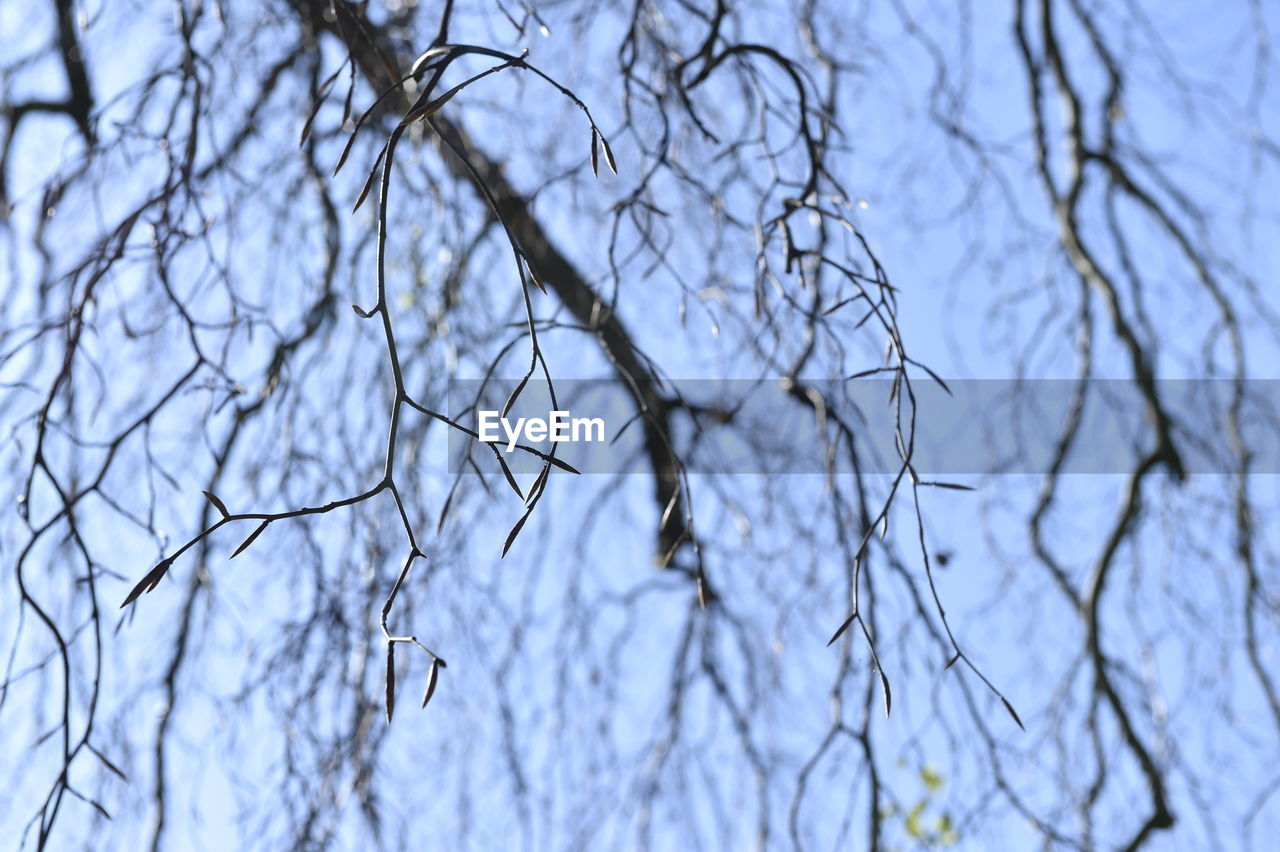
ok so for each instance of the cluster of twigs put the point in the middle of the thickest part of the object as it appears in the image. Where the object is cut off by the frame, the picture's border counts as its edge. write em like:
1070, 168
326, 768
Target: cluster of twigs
434, 62
738, 143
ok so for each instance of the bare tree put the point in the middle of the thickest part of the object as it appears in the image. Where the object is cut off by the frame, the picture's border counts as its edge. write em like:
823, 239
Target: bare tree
252, 252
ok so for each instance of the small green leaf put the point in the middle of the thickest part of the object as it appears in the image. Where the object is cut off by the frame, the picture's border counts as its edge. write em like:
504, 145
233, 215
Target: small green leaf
912, 824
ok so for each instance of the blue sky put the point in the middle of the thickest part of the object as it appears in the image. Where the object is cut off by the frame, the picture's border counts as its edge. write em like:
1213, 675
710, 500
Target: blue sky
562, 653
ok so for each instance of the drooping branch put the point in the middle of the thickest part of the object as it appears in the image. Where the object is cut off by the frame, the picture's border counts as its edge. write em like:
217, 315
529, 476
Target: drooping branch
374, 50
